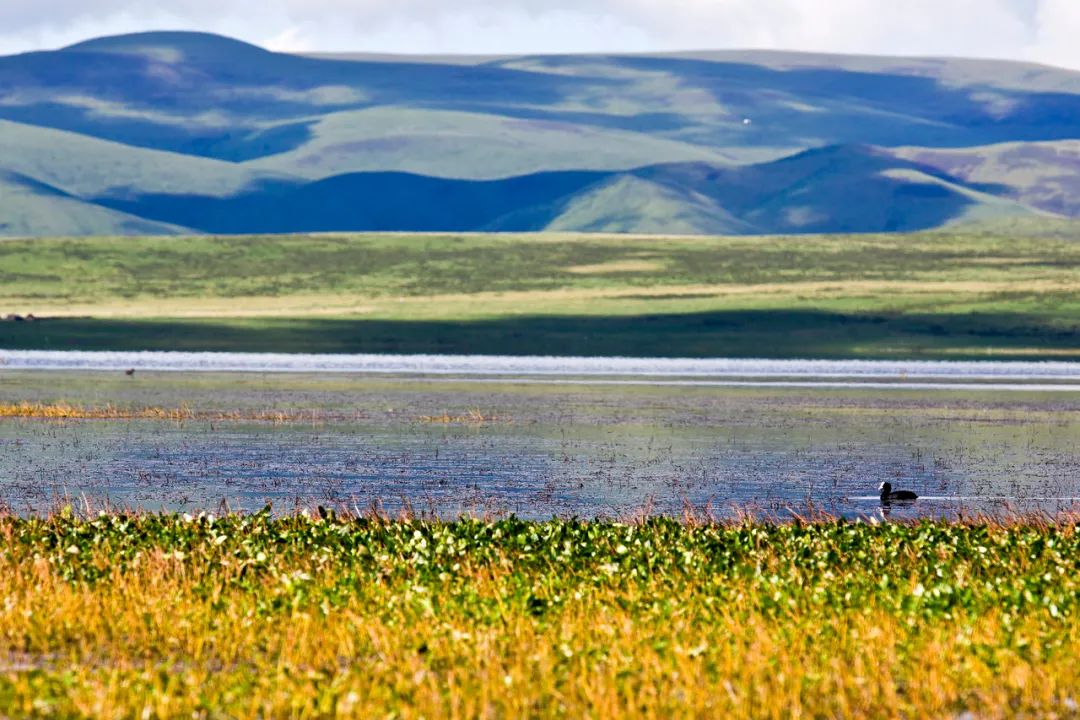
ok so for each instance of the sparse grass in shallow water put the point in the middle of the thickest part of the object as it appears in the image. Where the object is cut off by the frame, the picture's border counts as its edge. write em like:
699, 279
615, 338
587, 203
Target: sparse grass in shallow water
472, 417
64, 411
252, 616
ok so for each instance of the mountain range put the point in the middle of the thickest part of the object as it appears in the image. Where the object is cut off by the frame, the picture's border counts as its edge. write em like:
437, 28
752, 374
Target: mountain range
161, 133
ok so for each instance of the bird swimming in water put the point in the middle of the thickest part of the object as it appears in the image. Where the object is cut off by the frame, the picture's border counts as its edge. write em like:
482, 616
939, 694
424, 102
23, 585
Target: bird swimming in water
889, 495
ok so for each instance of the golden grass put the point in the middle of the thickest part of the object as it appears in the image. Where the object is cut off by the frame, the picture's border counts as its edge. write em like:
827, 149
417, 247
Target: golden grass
630, 265
559, 300
473, 417
175, 654
122, 617
64, 411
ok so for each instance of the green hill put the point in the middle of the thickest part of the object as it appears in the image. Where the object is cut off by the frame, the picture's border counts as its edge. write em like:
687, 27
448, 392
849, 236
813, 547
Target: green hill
834, 189
30, 208
90, 167
471, 145
215, 135
627, 203
1043, 175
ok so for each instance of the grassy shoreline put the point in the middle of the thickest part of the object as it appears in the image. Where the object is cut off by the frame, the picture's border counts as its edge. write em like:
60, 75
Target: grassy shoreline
254, 616
962, 294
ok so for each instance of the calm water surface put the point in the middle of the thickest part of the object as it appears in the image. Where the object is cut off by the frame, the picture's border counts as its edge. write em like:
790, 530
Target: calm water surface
547, 447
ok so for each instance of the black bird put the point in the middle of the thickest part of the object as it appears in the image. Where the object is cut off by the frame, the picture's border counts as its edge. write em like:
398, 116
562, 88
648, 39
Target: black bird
888, 495
129, 371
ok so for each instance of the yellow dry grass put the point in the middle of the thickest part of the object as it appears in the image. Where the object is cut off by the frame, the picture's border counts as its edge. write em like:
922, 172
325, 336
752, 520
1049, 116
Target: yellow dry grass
472, 417
64, 411
576, 299
617, 266
196, 646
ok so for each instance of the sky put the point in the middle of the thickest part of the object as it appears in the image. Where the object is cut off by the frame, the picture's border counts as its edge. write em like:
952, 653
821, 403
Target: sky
1046, 31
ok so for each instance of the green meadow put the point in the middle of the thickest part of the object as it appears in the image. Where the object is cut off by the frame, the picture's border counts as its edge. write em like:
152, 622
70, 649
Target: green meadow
1000, 293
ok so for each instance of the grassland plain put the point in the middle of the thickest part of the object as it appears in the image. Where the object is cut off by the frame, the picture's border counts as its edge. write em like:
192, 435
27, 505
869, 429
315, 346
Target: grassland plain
963, 293
255, 616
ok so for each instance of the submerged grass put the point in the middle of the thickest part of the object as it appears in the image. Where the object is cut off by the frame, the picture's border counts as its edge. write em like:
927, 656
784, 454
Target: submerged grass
65, 411
255, 616
474, 416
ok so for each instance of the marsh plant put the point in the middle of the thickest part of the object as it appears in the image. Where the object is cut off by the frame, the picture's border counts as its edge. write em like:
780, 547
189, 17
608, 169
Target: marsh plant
162, 615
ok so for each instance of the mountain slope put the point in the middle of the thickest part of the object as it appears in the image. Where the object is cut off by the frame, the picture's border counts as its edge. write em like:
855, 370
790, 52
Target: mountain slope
471, 146
213, 96
1043, 175
29, 208
370, 201
835, 189
86, 166
630, 204
197, 131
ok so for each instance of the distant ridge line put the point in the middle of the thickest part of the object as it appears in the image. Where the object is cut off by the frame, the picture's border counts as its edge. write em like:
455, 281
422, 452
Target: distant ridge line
681, 142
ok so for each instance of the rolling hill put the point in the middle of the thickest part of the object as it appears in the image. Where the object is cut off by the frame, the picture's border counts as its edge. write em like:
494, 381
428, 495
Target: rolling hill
188, 132
834, 189
30, 208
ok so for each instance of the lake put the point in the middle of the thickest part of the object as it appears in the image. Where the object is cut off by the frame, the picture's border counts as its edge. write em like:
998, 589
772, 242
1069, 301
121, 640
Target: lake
540, 437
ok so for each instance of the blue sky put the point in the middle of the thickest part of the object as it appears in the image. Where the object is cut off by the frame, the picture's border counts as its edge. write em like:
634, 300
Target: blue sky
1039, 30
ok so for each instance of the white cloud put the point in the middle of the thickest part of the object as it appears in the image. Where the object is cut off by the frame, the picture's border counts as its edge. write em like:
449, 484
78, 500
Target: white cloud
1042, 30
1057, 33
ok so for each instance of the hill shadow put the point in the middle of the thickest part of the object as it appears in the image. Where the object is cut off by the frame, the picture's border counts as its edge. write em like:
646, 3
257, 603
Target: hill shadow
744, 333
376, 201
833, 189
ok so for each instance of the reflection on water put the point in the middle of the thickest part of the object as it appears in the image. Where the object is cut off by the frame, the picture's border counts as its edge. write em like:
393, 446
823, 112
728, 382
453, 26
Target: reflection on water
585, 450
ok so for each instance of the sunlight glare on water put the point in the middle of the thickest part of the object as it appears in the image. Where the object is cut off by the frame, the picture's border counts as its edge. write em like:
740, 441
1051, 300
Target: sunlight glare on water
898, 371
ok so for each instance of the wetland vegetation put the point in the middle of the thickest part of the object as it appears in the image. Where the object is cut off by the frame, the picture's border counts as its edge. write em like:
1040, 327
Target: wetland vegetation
156, 615
689, 570
471, 546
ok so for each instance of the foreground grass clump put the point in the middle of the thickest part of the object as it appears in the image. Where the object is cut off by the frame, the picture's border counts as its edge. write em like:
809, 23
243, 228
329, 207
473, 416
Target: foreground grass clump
251, 616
